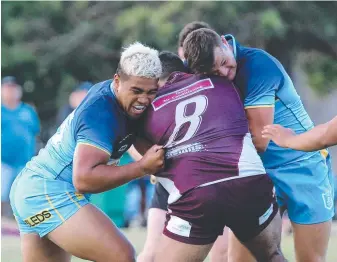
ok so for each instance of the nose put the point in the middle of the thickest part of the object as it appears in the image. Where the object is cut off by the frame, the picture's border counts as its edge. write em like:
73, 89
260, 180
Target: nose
223, 71
144, 100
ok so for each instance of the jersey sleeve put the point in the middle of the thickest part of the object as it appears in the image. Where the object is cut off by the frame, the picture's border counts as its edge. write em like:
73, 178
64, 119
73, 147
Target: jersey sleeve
96, 127
263, 80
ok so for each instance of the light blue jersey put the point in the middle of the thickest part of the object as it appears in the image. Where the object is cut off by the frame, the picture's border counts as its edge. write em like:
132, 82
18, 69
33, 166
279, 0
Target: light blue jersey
303, 180
19, 128
43, 195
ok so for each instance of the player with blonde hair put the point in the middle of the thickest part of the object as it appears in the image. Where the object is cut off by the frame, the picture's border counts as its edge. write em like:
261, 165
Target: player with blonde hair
50, 197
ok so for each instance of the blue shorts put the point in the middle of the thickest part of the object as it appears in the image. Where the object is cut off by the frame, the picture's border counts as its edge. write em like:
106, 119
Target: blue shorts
42, 204
306, 189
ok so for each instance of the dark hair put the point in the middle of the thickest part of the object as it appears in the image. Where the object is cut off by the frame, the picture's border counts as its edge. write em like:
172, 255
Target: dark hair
170, 63
190, 27
198, 49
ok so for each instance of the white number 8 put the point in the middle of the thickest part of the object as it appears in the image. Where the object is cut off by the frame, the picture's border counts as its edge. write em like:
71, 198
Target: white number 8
194, 119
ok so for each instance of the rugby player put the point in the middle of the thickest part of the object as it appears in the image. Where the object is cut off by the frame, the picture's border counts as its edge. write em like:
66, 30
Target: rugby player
320, 137
50, 196
303, 180
212, 168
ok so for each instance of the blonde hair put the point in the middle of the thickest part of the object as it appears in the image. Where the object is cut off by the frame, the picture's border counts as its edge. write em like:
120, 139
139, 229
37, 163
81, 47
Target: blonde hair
140, 60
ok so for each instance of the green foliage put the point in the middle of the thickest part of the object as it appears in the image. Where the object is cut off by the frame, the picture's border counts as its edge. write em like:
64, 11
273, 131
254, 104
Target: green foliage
321, 71
56, 44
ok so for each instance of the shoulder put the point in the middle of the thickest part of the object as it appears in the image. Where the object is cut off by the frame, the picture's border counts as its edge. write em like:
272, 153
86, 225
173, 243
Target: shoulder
257, 62
99, 102
100, 110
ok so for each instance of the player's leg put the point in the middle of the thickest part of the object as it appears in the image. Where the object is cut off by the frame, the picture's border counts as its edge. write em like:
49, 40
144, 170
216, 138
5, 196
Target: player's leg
90, 234
219, 251
266, 245
257, 225
155, 223
35, 249
311, 241
170, 250
51, 208
237, 251
194, 222
310, 205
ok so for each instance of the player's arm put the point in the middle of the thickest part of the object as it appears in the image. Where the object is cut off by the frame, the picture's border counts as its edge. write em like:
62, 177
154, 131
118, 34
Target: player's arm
93, 175
259, 117
95, 137
319, 137
263, 81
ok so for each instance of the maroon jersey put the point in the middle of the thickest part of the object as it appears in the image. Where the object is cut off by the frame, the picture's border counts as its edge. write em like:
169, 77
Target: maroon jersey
201, 122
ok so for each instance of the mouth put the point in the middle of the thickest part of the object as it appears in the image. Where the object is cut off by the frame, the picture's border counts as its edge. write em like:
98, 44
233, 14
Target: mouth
231, 74
138, 110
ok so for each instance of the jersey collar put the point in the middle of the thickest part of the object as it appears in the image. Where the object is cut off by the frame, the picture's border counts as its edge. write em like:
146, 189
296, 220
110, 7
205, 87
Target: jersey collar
231, 40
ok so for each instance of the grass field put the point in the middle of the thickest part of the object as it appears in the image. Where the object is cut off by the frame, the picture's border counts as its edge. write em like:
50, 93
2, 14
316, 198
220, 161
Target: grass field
10, 246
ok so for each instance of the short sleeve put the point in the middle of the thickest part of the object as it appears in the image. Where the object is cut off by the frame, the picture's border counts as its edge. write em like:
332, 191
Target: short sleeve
96, 128
263, 80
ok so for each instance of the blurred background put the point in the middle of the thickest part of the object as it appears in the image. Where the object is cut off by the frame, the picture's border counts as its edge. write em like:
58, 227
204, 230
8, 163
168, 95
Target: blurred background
54, 51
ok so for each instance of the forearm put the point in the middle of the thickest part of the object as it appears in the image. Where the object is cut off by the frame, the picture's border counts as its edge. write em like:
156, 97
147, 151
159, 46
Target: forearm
311, 140
103, 177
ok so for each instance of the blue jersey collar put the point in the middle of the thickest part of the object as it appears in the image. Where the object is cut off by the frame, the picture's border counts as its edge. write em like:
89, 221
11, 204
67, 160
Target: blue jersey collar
231, 40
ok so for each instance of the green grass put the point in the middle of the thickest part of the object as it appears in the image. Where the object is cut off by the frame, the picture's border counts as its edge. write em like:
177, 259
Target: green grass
10, 246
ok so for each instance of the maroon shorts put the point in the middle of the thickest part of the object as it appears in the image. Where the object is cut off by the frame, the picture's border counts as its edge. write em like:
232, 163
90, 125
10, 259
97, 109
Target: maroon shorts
246, 205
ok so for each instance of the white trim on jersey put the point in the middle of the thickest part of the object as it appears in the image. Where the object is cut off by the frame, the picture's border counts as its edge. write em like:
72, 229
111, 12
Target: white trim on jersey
250, 163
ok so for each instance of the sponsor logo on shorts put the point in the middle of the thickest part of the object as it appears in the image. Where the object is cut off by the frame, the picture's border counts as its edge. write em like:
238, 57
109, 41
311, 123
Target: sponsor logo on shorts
328, 198
41, 217
179, 226
266, 215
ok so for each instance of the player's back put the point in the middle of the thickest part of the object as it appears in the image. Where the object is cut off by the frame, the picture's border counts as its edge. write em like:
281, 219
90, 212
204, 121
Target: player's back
202, 124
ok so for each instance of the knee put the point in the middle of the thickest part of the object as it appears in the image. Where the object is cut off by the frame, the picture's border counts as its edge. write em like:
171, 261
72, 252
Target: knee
124, 254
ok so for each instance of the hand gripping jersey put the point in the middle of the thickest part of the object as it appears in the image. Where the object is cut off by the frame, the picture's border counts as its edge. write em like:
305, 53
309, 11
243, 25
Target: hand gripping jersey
202, 124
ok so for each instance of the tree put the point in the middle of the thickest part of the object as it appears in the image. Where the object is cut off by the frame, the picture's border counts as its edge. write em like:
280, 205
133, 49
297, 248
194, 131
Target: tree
53, 45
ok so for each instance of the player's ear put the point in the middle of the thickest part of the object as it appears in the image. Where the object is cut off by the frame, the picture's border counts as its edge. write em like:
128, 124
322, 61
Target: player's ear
116, 82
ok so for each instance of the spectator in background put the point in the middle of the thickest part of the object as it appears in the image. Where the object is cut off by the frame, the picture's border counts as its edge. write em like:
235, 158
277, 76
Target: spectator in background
75, 98
19, 127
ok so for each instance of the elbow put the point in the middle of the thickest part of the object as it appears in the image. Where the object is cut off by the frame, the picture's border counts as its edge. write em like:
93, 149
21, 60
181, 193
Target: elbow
80, 183
261, 146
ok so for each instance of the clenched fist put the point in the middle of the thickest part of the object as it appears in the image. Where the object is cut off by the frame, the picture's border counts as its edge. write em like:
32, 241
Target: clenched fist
153, 160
